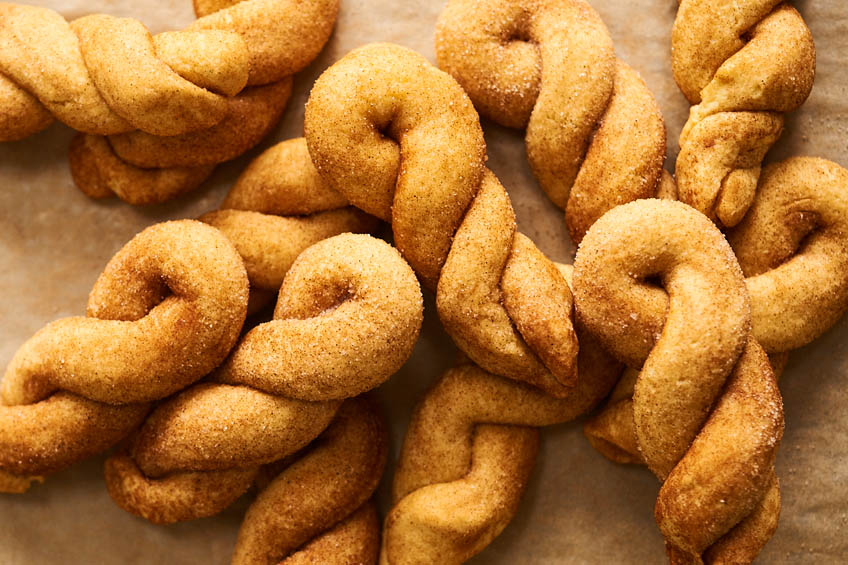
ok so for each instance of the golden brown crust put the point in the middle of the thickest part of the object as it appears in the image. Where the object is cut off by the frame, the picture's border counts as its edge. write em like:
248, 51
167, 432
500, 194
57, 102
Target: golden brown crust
401, 140
346, 300
466, 461
141, 168
793, 247
353, 541
716, 460
309, 500
382, 105
165, 311
91, 71
742, 65
595, 136
99, 173
501, 300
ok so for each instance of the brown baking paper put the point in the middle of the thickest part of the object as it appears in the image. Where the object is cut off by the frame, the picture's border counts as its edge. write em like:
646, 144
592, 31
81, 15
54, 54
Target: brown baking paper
579, 507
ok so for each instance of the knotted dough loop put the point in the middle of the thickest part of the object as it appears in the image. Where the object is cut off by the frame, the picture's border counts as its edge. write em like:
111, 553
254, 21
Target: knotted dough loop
348, 315
707, 410
277, 208
595, 136
166, 311
793, 247
467, 457
400, 140
742, 65
105, 75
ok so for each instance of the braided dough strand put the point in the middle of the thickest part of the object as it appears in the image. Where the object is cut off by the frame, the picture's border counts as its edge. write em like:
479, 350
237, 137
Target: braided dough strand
80, 71
742, 65
481, 430
595, 136
708, 421
400, 140
165, 311
348, 315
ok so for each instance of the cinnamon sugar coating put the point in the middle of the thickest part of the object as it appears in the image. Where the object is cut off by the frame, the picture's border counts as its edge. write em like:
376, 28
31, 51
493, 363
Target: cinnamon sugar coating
595, 136
401, 140
708, 415
347, 317
742, 64
166, 311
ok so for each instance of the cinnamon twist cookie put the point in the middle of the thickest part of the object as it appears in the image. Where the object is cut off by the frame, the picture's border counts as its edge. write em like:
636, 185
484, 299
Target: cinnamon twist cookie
595, 136
166, 310
707, 411
793, 246
480, 431
277, 208
347, 317
401, 140
742, 65
173, 105
105, 75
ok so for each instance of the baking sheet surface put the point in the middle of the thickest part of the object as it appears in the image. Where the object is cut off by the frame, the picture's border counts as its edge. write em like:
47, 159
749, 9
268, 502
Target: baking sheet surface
579, 508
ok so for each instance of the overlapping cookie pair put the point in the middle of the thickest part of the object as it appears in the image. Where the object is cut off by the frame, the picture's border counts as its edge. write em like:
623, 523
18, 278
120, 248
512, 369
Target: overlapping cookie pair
656, 288
156, 114
280, 407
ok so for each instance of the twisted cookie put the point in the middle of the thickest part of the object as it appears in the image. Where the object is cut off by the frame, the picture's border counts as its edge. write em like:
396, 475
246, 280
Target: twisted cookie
707, 411
742, 65
595, 136
793, 245
105, 75
166, 311
278, 207
213, 90
505, 304
480, 428
141, 168
348, 315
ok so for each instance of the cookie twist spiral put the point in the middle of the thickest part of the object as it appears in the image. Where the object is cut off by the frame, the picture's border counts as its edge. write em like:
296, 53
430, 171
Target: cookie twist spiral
347, 317
742, 65
481, 429
401, 141
793, 246
707, 411
166, 311
595, 136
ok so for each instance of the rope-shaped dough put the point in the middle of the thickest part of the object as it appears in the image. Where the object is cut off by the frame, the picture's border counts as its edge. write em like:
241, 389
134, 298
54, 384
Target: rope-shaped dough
401, 140
347, 317
595, 136
480, 429
315, 510
105, 75
278, 207
742, 64
706, 407
166, 311
194, 91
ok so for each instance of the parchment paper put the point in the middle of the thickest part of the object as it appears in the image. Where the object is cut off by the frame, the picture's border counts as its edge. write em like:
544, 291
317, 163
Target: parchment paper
579, 508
